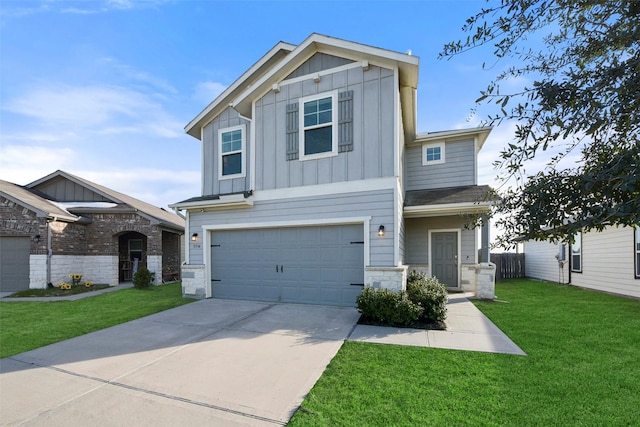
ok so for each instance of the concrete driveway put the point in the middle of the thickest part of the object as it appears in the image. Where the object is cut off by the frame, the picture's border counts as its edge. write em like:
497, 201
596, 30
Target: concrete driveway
212, 362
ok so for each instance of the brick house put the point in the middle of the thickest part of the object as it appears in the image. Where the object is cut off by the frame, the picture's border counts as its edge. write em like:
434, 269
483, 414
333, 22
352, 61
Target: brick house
62, 224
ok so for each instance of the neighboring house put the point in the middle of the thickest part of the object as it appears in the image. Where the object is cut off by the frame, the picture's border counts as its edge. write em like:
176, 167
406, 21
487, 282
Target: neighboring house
607, 261
63, 224
315, 182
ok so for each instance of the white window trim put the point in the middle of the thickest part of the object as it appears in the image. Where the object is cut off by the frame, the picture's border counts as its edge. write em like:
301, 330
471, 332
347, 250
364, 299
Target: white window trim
334, 126
432, 145
571, 253
243, 152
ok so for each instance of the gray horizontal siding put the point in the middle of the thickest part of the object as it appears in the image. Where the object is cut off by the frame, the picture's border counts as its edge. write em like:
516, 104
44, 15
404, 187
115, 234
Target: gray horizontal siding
373, 134
377, 204
417, 238
210, 147
458, 169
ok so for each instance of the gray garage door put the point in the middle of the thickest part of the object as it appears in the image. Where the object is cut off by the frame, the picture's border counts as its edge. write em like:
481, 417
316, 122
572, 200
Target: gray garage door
14, 263
313, 265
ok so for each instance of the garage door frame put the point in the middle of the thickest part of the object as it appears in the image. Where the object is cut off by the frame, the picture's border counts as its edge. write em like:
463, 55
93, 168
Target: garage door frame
363, 220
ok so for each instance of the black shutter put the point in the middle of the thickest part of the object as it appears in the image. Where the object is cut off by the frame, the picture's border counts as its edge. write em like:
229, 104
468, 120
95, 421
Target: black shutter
292, 131
345, 121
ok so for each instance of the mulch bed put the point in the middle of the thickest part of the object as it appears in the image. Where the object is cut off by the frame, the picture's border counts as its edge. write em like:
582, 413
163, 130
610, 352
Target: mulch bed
436, 326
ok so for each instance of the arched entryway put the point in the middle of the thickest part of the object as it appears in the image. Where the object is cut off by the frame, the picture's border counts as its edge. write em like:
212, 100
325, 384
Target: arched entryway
132, 254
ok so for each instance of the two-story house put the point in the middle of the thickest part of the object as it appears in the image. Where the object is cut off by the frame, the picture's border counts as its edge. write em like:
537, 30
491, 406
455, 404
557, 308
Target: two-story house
315, 182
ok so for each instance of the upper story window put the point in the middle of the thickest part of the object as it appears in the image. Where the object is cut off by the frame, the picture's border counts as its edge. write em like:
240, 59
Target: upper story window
576, 253
637, 250
319, 126
433, 154
232, 152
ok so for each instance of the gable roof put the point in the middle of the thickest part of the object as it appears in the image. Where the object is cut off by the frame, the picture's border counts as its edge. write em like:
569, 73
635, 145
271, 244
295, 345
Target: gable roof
257, 70
87, 191
284, 58
41, 206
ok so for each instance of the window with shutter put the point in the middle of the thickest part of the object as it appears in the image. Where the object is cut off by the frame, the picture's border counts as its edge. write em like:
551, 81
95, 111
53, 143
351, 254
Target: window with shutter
320, 126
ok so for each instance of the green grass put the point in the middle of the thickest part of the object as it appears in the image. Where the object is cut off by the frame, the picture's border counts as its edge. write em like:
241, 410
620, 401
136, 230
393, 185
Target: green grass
582, 369
28, 325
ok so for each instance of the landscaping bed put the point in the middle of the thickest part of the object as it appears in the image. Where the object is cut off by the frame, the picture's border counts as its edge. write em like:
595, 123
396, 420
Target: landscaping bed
57, 291
418, 324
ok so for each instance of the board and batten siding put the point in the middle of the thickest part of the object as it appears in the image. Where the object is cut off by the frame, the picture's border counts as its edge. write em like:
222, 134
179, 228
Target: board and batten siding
541, 263
318, 62
608, 262
459, 168
372, 156
417, 238
375, 204
210, 152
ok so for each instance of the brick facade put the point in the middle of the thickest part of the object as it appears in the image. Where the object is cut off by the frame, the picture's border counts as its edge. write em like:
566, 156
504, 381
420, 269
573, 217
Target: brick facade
93, 247
16, 220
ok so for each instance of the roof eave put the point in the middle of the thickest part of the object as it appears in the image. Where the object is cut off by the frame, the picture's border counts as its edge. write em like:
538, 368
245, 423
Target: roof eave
446, 209
481, 133
224, 202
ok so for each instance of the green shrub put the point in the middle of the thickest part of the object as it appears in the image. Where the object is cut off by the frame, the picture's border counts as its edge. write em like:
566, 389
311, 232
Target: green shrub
143, 278
385, 305
430, 295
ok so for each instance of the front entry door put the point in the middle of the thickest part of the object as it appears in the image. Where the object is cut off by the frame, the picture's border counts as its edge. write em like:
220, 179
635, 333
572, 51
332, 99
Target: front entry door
444, 257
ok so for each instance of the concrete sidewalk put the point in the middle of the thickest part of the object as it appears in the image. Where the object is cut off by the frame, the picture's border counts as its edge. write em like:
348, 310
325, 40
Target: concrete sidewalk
467, 329
4, 295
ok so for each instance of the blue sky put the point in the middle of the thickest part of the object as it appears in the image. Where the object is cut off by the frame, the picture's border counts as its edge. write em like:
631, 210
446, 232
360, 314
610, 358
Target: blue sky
104, 88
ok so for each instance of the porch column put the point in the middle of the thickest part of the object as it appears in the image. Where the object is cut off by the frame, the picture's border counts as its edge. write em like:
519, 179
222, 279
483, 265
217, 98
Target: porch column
484, 239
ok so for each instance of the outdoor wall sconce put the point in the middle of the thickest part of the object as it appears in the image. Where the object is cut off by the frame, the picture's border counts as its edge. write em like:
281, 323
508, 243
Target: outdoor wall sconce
194, 237
381, 231
36, 238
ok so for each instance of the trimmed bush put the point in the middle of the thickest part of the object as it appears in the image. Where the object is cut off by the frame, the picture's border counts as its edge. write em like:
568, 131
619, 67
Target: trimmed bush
430, 295
385, 305
142, 279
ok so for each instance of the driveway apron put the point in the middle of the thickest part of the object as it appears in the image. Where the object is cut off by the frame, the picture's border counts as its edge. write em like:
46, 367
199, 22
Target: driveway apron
212, 362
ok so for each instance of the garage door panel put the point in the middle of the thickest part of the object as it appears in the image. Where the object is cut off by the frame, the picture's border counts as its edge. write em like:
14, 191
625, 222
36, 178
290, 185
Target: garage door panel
14, 263
320, 264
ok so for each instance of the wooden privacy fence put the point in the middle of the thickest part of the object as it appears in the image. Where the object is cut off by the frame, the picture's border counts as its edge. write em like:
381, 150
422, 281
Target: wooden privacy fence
508, 265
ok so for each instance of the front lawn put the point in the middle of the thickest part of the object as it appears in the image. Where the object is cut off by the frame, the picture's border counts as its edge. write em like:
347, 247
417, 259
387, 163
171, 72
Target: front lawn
582, 368
28, 325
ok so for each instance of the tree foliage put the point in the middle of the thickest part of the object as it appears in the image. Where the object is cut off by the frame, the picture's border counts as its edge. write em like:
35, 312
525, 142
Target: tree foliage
584, 100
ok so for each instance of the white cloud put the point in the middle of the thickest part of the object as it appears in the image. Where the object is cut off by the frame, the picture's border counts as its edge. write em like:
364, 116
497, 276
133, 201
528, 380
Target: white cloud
23, 164
94, 108
158, 187
205, 92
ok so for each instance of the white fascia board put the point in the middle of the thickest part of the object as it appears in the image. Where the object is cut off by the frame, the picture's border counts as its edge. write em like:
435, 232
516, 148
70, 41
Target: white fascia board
388, 183
480, 133
224, 202
446, 209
